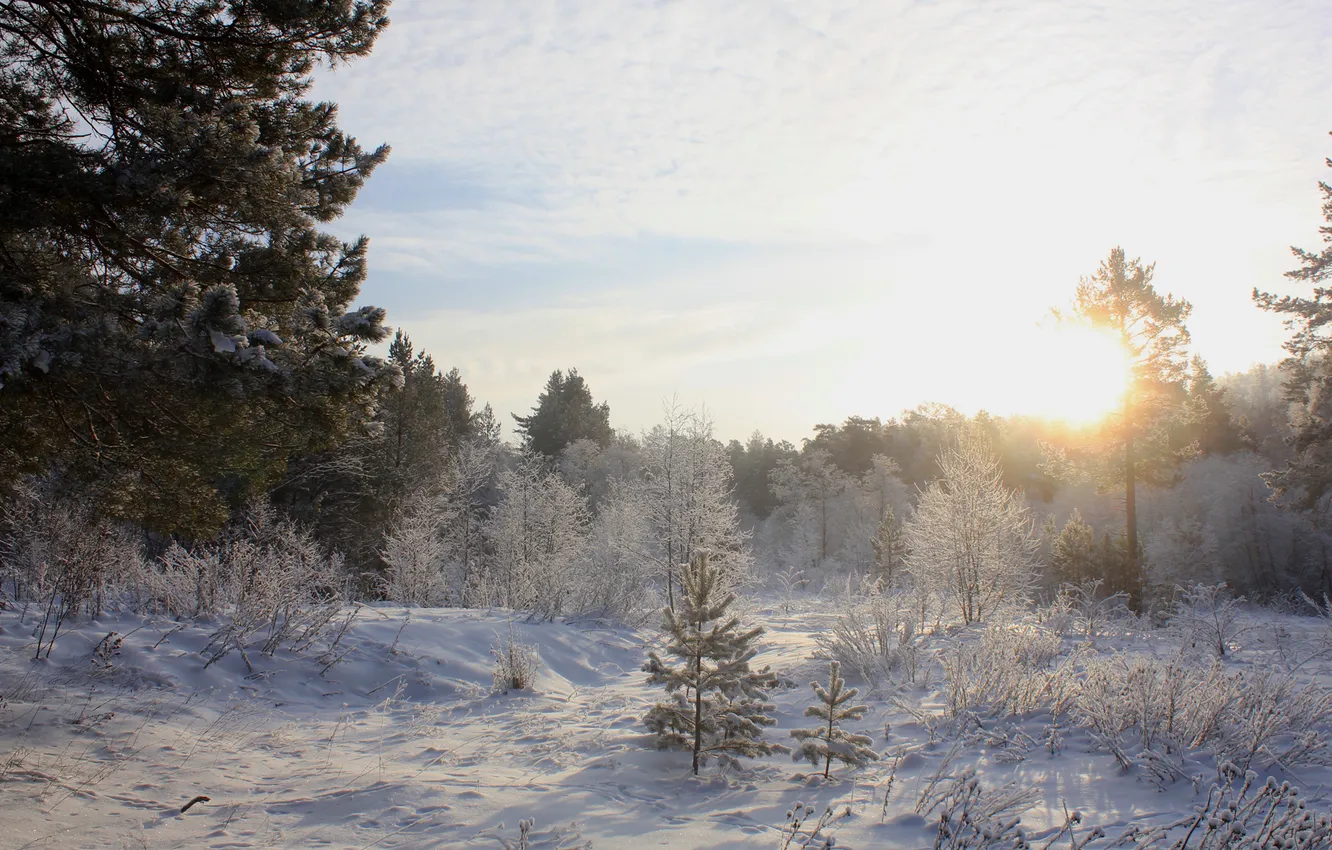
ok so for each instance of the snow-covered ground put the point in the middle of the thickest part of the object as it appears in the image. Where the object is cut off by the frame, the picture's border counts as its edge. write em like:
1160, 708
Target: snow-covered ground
402, 743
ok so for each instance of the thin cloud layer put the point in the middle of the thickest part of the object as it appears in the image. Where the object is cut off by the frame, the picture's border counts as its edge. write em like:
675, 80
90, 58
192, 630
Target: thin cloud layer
553, 154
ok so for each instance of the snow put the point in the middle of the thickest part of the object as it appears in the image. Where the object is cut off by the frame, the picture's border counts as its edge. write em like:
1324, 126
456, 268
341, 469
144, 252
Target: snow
403, 744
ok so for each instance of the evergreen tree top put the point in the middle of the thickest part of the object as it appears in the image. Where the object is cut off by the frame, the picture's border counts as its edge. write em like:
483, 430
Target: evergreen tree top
176, 320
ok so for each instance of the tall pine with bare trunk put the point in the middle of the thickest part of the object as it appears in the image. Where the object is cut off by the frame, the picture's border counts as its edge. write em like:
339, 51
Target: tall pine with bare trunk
1137, 445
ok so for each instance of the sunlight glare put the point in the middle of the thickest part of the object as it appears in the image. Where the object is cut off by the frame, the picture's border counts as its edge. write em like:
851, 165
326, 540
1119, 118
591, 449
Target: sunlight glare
1083, 375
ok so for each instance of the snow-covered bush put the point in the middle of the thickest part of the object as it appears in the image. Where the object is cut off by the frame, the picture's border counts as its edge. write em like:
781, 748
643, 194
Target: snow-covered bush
971, 816
875, 638
1239, 813
269, 580
1009, 670
788, 581
60, 555
798, 833
516, 666
1152, 714
1206, 617
1254, 816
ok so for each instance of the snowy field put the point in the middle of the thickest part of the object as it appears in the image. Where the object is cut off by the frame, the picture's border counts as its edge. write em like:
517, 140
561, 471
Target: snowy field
402, 742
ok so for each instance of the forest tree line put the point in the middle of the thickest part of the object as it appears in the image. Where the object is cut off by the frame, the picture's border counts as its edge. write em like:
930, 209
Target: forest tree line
187, 387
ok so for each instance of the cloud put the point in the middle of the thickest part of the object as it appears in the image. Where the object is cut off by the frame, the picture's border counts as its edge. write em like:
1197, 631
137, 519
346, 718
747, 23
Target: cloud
976, 156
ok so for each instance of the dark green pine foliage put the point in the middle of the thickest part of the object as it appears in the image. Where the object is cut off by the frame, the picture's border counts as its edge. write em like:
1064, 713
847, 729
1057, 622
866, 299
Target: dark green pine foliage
1211, 426
1307, 477
1073, 555
348, 494
173, 322
716, 706
828, 742
424, 420
851, 447
752, 463
462, 422
565, 413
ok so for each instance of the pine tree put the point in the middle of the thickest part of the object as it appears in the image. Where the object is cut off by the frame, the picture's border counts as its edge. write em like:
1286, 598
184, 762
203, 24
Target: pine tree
173, 321
1149, 326
889, 548
716, 705
1212, 426
564, 414
1073, 554
832, 742
1307, 477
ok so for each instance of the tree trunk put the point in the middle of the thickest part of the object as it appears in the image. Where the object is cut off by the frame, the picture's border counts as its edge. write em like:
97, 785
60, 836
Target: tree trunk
698, 712
827, 757
1131, 570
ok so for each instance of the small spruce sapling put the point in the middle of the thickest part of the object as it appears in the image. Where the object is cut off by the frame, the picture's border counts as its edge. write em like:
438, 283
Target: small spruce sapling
829, 741
716, 704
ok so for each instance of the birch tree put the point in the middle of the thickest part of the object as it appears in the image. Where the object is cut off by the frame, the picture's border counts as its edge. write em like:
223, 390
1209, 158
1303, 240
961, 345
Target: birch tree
686, 491
971, 538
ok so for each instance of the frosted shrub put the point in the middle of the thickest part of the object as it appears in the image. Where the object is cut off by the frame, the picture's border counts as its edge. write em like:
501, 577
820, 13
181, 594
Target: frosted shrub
1239, 813
789, 581
1152, 714
1059, 614
1254, 816
875, 639
63, 557
1094, 611
1276, 721
1137, 706
274, 585
516, 666
972, 817
1207, 618
1009, 671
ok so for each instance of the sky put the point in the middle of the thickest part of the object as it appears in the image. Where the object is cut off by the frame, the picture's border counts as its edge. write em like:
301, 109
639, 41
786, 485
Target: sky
794, 212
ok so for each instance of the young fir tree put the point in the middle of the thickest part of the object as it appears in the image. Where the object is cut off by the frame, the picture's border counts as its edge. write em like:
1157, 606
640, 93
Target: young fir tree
829, 741
716, 704
1073, 555
889, 548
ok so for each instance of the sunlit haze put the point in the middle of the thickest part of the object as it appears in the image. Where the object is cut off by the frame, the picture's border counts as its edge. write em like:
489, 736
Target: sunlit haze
796, 212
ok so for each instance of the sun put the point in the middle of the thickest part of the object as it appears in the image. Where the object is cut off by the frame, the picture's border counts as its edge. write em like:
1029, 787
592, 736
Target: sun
1083, 374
